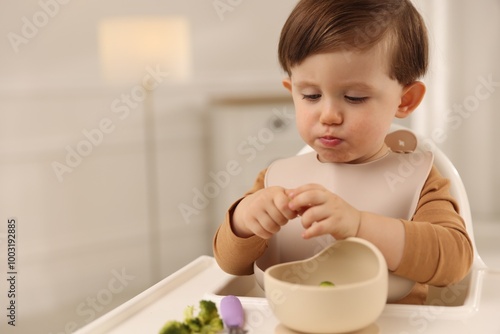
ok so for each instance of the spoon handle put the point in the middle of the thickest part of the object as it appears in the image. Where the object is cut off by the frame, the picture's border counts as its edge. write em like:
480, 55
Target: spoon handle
232, 311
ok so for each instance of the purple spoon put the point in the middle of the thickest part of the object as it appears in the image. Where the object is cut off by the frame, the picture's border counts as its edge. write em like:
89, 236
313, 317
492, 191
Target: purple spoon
232, 314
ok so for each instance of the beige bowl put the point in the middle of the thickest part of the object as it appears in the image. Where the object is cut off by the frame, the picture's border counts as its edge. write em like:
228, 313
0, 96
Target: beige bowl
359, 272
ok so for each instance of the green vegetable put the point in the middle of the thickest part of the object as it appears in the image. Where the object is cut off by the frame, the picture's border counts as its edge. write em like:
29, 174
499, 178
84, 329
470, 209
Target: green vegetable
208, 321
208, 312
175, 327
326, 283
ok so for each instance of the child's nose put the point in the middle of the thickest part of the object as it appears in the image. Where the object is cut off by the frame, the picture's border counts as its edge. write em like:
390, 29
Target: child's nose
331, 115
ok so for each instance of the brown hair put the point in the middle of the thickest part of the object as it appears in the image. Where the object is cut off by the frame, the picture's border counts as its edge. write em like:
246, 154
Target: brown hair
318, 26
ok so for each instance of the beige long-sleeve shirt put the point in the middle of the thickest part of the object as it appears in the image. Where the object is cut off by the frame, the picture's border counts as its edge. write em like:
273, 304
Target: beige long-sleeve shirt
437, 249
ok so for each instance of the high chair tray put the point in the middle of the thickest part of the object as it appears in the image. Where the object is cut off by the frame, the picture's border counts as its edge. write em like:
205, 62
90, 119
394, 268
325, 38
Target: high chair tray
203, 279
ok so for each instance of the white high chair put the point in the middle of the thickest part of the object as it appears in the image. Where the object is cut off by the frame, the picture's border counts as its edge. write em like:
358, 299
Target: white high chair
465, 292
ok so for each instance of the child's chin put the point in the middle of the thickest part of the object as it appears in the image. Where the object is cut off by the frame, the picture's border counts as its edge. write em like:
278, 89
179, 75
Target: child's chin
331, 158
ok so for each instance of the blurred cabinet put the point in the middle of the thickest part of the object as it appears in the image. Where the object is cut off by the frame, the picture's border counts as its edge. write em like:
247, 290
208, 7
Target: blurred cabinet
73, 174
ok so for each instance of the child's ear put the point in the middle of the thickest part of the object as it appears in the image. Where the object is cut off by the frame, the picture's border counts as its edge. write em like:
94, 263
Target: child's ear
412, 95
287, 83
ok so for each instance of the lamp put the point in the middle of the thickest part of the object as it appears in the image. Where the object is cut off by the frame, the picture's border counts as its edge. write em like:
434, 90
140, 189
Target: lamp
129, 48
129, 44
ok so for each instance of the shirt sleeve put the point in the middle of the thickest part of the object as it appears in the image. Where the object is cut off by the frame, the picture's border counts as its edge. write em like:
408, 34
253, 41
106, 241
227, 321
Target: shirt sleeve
438, 250
233, 254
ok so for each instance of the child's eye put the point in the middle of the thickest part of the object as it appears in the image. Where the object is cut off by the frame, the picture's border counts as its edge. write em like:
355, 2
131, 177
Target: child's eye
311, 97
355, 99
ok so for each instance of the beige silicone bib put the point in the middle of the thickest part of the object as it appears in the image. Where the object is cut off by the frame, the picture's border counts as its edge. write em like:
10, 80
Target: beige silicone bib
389, 186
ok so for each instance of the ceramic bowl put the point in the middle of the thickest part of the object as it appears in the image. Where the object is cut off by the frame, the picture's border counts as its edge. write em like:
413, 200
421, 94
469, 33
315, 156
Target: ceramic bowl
359, 273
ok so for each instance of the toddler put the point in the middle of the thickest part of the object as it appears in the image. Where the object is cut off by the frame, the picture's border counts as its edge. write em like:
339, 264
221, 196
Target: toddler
352, 67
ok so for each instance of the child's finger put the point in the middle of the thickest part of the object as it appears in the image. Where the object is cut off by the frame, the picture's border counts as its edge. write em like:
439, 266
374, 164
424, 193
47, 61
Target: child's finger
306, 199
281, 203
276, 216
316, 229
306, 187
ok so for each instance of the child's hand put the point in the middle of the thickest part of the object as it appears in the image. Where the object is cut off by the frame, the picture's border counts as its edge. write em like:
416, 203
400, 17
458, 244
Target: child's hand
324, 212
262, 213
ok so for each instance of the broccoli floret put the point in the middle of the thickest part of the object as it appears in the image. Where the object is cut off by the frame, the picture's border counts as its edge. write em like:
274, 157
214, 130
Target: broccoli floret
189, 312
194, 325
209, 318
208, 321
208, 311
175, 327
215, 326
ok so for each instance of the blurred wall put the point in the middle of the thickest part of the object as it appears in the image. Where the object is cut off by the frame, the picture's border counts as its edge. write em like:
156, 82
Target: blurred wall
95, 173
460, 110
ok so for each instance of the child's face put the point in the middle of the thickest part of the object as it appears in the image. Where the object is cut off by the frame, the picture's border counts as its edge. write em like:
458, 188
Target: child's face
345, 104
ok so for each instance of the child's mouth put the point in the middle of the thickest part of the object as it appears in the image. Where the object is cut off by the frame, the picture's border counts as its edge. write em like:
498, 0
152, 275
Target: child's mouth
330, 141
